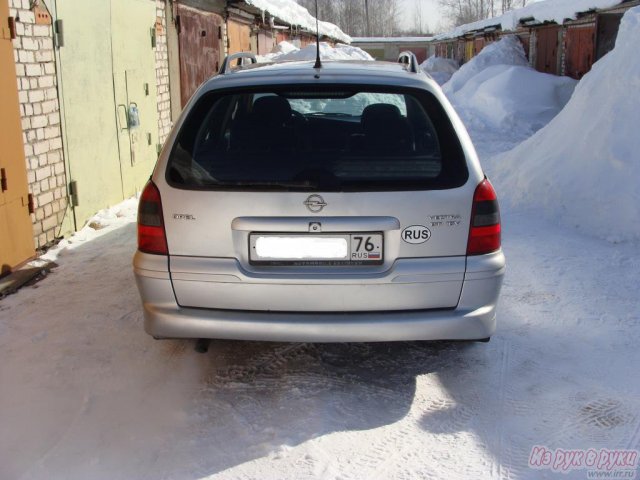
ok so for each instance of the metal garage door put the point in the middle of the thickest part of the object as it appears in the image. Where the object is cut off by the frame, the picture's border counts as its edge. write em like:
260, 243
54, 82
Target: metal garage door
134, 79
547, 42
239, 35
580, 50
107, 67
199, 41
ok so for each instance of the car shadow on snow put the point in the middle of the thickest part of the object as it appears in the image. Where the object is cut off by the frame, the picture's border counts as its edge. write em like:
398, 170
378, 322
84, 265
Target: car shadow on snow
257, 398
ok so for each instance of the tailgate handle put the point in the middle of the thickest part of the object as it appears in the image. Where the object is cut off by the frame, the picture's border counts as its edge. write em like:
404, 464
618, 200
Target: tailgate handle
328, 224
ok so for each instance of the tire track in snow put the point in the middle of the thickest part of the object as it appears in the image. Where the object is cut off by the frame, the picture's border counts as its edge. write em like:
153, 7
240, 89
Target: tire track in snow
634, 440
38, 464
600, 420
268, 362
343, 375
393, 454
504, 366
380, 459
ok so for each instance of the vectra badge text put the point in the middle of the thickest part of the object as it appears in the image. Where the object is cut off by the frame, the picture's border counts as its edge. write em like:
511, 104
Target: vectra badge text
315, 203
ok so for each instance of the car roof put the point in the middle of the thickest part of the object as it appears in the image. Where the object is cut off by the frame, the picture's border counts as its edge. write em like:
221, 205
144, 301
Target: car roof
332, 72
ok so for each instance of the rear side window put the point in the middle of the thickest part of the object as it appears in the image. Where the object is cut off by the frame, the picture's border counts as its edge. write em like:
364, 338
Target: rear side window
307, 139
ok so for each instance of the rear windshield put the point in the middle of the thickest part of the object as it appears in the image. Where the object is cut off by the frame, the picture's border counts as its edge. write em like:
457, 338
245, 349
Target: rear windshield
307, 139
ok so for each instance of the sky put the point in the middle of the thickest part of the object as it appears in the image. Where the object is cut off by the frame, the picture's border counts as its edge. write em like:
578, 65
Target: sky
430, 12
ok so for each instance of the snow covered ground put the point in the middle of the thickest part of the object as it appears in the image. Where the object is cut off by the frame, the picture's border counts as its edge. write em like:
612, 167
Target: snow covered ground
86, 394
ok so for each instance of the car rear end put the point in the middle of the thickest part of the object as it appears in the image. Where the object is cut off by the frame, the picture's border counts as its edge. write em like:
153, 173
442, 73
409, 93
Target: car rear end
305, 209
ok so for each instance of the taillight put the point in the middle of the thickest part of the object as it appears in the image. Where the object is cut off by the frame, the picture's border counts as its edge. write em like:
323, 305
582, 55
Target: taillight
484, 233
151, 236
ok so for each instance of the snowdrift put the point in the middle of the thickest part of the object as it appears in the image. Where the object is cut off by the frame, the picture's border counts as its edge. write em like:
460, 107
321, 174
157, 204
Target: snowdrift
283, 48
497, 89
507, 51
583, 168
440, 69
516, 98
286, 52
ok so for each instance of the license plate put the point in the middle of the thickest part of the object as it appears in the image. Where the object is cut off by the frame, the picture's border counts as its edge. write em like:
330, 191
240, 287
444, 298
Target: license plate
316, 249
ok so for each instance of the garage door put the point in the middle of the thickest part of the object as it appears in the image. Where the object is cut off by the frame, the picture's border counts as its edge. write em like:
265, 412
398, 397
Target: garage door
16, 231
107, 66
199, 41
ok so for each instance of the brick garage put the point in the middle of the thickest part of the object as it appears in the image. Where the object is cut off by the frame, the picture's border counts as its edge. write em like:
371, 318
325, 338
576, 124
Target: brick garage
162, 73
40, 112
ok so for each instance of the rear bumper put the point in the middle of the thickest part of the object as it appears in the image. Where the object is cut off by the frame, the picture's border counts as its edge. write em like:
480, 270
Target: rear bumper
473, 318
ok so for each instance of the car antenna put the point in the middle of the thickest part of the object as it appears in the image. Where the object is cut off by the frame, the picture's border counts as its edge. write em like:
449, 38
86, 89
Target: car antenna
318, 63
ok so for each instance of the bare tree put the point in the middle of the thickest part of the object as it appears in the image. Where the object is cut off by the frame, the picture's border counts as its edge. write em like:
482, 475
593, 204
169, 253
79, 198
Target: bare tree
417, 17
384, 16
350, 15
352, 18
459, 12
327, 10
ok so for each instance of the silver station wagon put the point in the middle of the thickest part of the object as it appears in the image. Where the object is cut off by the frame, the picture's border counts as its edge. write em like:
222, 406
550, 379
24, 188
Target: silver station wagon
334, 204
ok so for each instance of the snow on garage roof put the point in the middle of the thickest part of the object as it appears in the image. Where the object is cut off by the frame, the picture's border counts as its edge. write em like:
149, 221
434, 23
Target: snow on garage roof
543, 11
290, 12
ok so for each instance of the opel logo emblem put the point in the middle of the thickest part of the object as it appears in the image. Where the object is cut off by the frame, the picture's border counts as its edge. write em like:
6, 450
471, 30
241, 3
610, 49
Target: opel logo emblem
315, 203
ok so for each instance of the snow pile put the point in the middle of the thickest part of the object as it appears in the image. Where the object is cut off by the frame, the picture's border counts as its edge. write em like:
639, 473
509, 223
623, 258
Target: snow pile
507, 51
518, 98
283, 48
289, 52
291, 13
102, 222
583, 168
440, 69
354, 53
497, 89
544, 11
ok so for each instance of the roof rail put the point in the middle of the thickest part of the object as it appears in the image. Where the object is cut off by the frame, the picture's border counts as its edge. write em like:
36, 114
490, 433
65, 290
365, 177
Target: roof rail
409, 59
226, 64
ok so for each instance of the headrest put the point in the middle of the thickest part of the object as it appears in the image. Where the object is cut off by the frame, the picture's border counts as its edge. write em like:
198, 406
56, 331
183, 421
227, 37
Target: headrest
376, 115
272, 108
